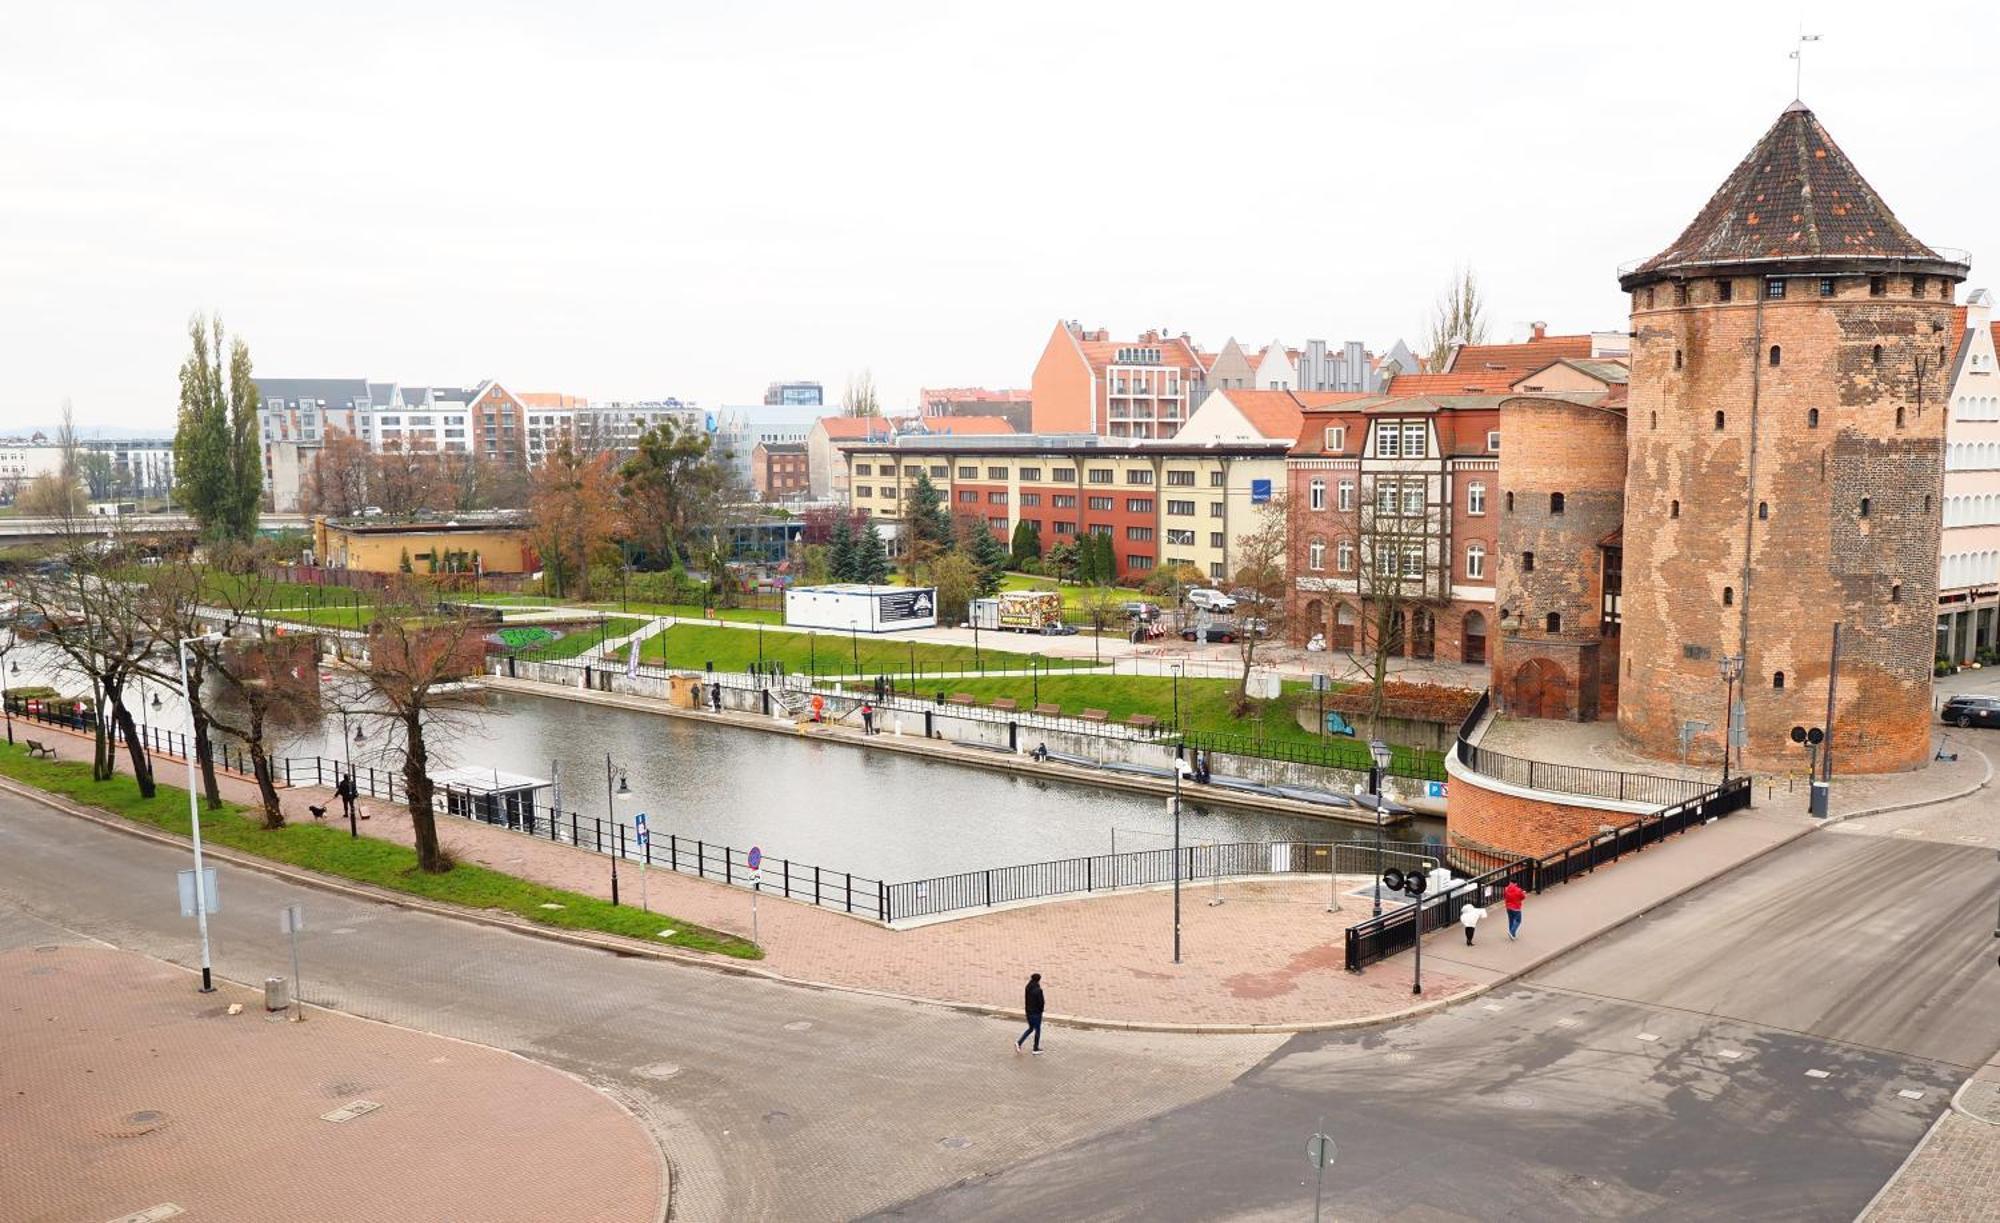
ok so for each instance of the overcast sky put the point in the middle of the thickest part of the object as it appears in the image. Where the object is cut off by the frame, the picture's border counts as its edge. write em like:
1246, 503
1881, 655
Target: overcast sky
652, 199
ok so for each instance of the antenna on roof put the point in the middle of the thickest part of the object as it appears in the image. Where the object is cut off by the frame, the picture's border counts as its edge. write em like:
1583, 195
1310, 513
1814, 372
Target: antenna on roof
1799, 62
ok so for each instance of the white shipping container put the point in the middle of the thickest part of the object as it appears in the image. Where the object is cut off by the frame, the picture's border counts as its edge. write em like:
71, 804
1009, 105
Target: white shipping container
861, 609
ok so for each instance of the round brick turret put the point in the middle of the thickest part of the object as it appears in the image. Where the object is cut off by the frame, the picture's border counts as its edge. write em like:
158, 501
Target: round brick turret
1789, 373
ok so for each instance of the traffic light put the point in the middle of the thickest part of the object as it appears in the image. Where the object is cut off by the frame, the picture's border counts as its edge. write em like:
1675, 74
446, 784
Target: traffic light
1411, 885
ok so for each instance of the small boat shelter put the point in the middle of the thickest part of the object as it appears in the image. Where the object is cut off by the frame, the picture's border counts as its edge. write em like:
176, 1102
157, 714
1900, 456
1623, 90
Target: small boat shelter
481, 793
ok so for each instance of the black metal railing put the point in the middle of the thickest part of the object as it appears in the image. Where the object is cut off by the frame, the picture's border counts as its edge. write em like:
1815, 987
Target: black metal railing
1144, 868
1566, 778
1332, 754
1383, 936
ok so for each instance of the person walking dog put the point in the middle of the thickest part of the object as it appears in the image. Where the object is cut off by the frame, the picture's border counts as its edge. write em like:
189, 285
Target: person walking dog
1033, 1000
1516, 894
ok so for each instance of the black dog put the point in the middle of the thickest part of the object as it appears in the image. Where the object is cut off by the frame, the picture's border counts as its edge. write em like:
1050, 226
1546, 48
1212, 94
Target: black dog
318, 812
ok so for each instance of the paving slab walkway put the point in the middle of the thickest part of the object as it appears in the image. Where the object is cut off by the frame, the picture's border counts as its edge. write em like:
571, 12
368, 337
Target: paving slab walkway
125, 1090
1954, 1174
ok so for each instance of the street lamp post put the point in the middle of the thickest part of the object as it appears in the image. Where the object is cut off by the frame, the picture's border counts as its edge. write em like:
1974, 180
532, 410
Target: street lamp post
194, 816
1379, 757
1731, 666
1180, 763
611, 800
1177, 669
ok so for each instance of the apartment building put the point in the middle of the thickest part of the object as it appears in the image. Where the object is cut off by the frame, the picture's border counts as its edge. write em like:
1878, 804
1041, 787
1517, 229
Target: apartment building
615, 426
831, 437
1969, 560
1087, 382
141, 467
778, 471
795, 394
1162, 504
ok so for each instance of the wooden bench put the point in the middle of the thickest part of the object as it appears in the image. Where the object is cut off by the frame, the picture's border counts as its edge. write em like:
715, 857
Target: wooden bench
1143, 721
1053, 711
36, 748
1006, 703
964, 698
1095, 715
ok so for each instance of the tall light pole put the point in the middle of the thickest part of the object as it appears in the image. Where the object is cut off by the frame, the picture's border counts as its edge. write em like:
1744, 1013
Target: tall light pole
1180, 765
611, 800
1177, 668
1379, 757
1731, 666
194, 813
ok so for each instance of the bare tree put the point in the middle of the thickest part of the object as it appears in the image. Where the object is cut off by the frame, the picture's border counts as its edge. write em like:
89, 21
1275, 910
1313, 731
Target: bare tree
91, 615
1262, 608
415, 663
1403, 573
173, 606
860, 399
1458, 318
266, 679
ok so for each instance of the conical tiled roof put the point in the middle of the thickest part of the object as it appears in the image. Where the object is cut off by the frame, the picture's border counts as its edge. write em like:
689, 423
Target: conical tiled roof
1795, 197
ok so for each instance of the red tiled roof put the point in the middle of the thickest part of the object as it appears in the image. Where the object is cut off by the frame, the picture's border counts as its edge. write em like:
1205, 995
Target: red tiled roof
1490, 369
973, 394
551, 399
1795, 196
1174, 351
855, 428
1278, 414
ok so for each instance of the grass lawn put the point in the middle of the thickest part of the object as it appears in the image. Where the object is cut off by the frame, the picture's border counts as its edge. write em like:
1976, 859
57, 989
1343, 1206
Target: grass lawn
328, 617
1206, 705
331, 851
747, 615
734, 649
577, 640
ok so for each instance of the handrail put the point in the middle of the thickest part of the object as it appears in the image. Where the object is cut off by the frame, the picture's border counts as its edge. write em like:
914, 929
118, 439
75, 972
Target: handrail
1575, 779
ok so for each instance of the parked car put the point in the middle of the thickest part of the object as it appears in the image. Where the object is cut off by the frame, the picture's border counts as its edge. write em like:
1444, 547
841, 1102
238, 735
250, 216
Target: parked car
1971, 711
1210, 600
1141, 610
1060, 628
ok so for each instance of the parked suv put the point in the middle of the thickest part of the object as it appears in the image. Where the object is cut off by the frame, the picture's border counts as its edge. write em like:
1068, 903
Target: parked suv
1972, 711
1211, 600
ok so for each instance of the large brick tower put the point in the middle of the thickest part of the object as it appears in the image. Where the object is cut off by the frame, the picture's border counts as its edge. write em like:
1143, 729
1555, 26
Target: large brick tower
1786, 436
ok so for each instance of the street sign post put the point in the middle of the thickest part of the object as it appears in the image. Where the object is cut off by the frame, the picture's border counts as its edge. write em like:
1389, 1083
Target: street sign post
756, 886
290, 921
1320, 1149
644, 838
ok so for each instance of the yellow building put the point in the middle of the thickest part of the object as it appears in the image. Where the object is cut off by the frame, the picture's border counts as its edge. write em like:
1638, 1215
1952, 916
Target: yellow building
377, 546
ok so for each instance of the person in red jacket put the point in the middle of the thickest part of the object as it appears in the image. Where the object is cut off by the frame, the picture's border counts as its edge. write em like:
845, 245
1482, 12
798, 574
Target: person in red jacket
1514, 896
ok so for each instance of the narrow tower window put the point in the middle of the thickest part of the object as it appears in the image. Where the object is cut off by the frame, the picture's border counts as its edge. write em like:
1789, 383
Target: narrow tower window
1812, 418
1927, 503
1510, 503
1826, 286
1777, 679
1896, 592
1677, 358
1774, 288
1725, 290
1674, 510
1878, 285
1680, 293
1656, 420
1763, 510
1878, 354
1777, 355
1555, 503
1917, 286
1718, 421
1527, 562
1728, 596
1649, 299
1864, 507
1554, 621
1899, 418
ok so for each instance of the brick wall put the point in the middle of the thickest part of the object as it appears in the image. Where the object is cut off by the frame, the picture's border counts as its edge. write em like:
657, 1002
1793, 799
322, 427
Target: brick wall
1735, 543
1478, 818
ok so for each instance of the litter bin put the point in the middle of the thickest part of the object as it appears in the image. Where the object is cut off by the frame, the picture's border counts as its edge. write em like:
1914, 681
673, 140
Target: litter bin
277, 994
1817, 803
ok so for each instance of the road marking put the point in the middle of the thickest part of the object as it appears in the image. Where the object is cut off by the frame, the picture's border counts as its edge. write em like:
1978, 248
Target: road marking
152, 1214
1565, 1022
1972, 836
1731, 1054
1908, 1094
1819, 1074
1649, 1037
1494, 1006
1909, 832
348, 1112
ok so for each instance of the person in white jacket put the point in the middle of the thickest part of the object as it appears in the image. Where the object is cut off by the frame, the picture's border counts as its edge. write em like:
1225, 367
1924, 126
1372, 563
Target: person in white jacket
1469, 917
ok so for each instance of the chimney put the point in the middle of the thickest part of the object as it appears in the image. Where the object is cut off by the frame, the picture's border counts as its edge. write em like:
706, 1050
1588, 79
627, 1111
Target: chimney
1541, 331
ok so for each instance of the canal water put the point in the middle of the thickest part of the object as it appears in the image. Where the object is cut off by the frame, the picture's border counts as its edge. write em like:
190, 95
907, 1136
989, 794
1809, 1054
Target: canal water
884, 815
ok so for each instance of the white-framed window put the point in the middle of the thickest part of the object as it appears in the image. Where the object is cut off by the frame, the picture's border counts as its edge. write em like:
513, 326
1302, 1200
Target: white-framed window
1346, 497
1336, 437
1385, 560
1316, 555
1183, 538
1343, 556
1413, 500
1413, 440
1475, 560
1387, 442
1413, 560
1475, 498
1385, 498
1493, 441
1318, 489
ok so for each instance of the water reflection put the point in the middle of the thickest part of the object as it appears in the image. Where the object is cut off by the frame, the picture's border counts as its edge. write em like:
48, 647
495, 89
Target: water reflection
880, 814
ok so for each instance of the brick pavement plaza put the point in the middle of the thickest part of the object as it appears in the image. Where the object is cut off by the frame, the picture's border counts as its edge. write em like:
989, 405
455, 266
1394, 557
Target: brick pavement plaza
1954, 1174
123, 1089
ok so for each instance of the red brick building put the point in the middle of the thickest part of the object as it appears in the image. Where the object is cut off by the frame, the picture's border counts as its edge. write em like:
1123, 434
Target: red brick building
778, 471
1087, 382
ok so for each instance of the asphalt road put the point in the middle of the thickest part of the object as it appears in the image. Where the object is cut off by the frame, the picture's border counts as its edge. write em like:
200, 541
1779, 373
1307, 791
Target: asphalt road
1604, 1085
771, 1101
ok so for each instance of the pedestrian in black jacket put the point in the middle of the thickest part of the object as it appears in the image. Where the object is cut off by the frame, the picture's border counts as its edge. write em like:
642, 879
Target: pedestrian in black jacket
1033, 999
